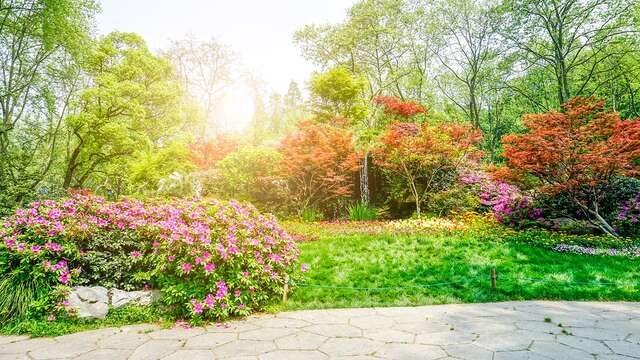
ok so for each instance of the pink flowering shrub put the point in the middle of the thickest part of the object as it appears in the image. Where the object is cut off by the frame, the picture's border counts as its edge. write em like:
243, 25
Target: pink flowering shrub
510, 206
211, 259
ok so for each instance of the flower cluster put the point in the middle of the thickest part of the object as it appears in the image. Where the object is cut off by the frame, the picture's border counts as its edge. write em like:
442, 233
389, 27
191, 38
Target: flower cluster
632, 252
510, 206
627, 220
225, 253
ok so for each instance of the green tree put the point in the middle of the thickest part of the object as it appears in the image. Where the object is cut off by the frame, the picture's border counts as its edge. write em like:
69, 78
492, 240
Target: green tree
40, 44
336, 94
565, 36
132, 103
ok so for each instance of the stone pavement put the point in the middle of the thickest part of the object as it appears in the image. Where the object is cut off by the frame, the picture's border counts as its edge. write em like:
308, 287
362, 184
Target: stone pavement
509, 330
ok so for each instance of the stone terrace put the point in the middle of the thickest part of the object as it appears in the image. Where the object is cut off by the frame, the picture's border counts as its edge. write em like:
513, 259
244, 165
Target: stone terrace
509, 330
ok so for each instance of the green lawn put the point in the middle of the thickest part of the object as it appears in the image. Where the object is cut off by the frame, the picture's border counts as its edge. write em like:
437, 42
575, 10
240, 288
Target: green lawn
454, 267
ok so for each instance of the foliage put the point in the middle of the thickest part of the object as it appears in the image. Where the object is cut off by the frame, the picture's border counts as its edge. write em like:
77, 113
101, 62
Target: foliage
335, 94
310, 215
394, 106
453, 200
41, 44
206, 153
425, 159
251, 174
211, 260
132, 102
560, 205
579, 152
105, 259
627, 220
318, 163
150, 165
508, 203
362, 212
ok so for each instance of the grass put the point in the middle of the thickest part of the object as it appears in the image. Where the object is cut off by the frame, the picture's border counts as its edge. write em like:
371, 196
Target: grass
378, 264
126, 315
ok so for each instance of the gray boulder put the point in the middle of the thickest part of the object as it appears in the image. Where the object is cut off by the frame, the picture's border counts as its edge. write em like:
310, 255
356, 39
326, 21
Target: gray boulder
121, 298
90, 302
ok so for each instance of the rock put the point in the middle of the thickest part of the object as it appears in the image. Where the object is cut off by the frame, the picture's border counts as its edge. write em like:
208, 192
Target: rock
90, 302
120, 298
92, 294
94, 301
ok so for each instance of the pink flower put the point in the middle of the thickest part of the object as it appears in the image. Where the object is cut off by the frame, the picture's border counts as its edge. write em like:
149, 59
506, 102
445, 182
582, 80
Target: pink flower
171, 258
209, 301
197, 307
242, 306
209, 267
51, 318
304, 267
36, 248
64, 278
237, 293
156, 244
186, 268
53, 246
135, 254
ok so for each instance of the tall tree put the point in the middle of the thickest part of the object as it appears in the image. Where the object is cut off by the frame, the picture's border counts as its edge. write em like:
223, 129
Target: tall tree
205, 69
464, 42
133, 102
564, 36
40, 44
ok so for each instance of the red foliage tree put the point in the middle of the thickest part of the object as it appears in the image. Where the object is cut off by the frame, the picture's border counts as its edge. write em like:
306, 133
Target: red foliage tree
319, 162
577, 152
206, 153
393, 105
425, 158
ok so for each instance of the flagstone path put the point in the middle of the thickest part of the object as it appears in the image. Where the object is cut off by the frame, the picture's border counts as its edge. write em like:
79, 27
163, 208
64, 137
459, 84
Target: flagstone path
509, 330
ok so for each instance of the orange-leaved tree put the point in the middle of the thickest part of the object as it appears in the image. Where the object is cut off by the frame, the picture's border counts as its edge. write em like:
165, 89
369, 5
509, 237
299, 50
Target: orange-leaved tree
319, 162
578, 153
423, 159
393, 105
207, 153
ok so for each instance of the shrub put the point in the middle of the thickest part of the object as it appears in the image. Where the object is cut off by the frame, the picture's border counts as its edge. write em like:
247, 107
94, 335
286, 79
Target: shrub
362, 212
422, 160
311, 215
210, 259
509, 205
251, 174
207, 153
578, 152
319, 163
627, 221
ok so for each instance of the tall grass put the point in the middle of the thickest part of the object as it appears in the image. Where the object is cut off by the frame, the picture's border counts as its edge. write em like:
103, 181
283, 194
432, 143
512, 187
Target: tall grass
362, 212
16, 294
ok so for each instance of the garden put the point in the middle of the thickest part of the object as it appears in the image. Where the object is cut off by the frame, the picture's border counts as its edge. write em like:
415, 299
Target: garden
365, 192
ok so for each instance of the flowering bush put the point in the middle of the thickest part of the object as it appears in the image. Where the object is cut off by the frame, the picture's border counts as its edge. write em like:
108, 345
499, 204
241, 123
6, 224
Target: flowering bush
510, 206
627, 220
210, 259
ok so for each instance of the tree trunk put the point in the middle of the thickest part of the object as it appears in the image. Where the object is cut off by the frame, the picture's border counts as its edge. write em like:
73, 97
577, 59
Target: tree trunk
364, 180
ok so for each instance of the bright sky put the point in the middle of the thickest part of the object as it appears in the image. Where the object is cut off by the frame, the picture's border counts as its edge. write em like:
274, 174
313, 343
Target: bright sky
260, 31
